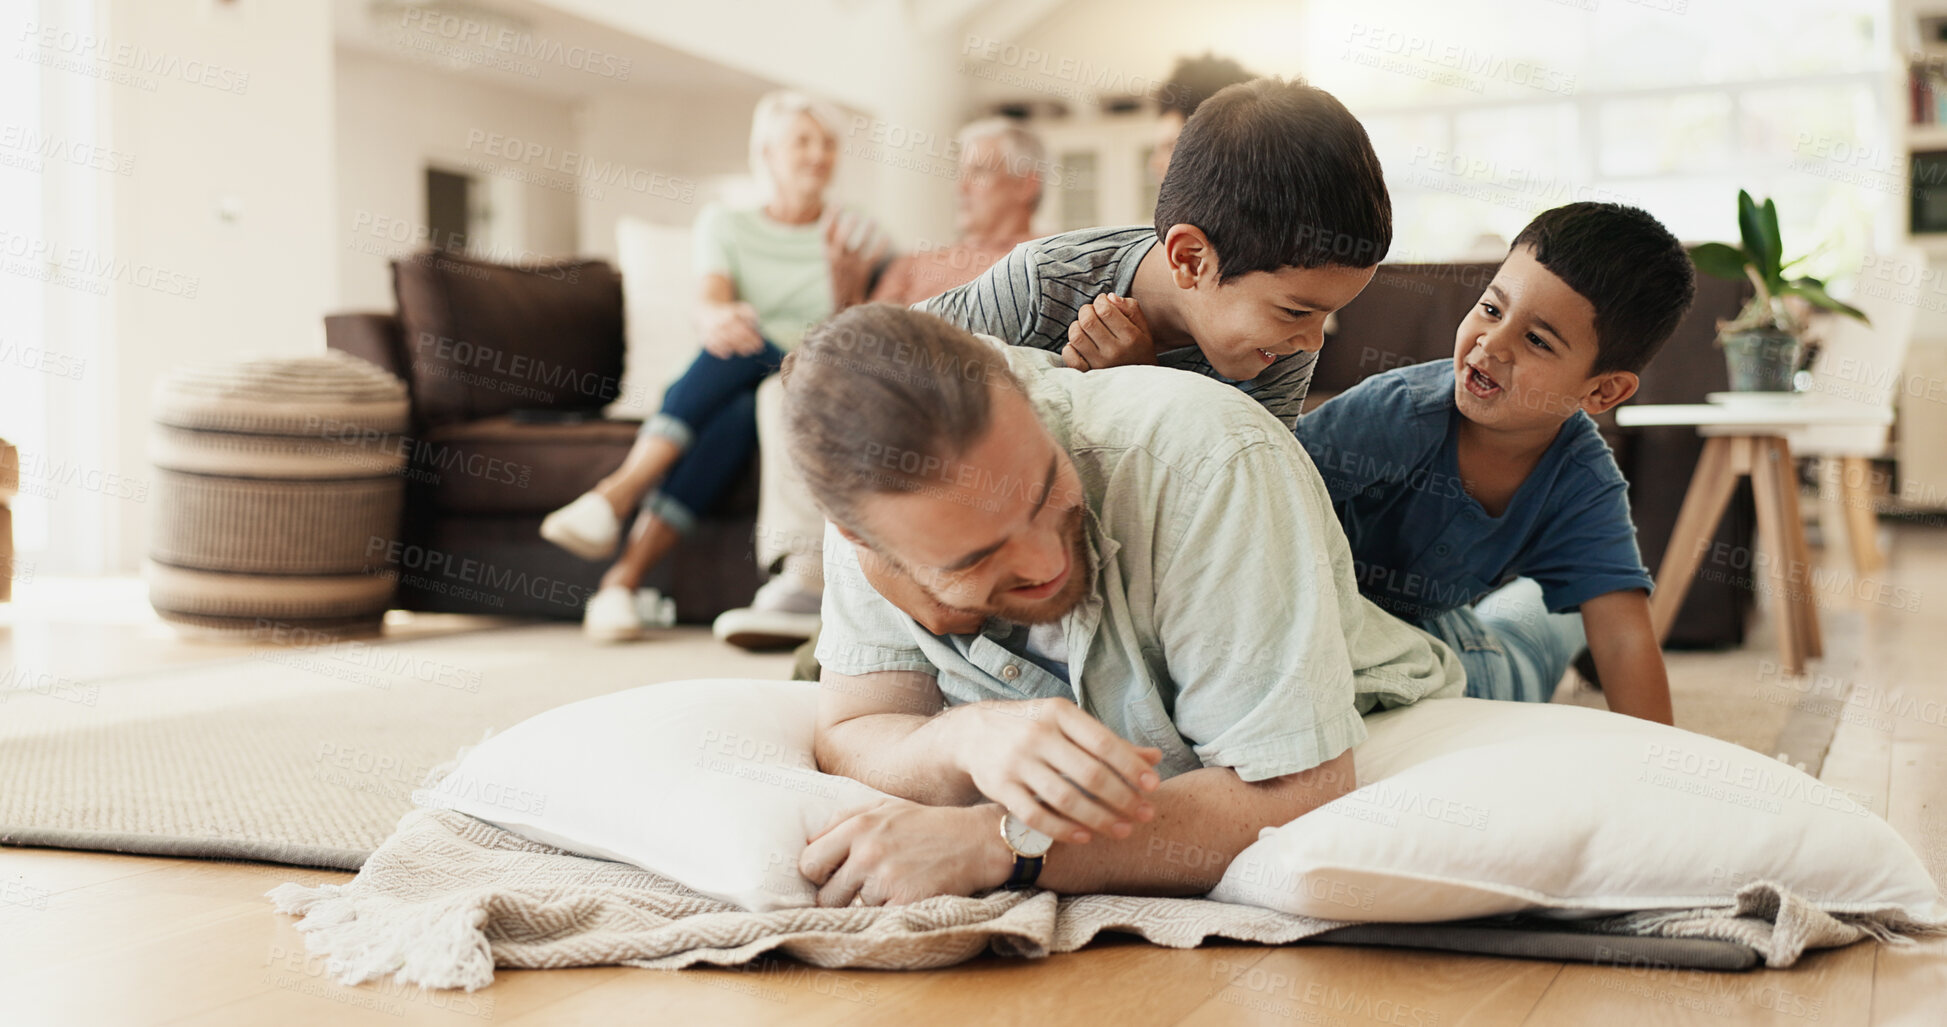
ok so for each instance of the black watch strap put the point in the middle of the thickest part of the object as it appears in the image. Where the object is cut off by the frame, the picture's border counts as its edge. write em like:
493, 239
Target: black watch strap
1027, 870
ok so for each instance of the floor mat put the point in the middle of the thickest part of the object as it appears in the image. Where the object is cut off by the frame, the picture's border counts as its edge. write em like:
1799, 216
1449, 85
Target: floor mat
302, 756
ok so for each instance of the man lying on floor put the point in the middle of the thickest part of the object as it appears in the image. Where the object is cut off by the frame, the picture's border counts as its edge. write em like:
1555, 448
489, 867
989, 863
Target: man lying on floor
1141, 634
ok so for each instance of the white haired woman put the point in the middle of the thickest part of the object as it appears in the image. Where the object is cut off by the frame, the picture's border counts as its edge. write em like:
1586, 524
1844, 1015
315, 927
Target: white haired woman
767, 274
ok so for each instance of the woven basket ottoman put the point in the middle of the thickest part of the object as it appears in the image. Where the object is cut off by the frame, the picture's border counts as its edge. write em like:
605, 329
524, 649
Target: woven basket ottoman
275, 481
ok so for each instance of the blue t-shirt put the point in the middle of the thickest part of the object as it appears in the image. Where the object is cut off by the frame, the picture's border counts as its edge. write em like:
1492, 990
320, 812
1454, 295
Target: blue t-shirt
1421, 545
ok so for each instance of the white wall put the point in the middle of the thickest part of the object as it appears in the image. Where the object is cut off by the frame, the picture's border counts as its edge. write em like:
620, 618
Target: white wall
394, 118
893, 62
239, 218
839, 48
658, 154
568, 170
1084, 48
202, 283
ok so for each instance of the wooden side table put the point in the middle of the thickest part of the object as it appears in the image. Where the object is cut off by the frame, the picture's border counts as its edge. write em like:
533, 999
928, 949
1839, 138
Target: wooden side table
1744, 441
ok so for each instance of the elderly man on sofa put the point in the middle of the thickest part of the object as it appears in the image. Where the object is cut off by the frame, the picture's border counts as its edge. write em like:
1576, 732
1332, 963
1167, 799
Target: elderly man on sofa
1128, 617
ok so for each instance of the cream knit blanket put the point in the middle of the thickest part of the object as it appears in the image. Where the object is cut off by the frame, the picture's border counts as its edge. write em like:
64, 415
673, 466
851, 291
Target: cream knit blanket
448, 898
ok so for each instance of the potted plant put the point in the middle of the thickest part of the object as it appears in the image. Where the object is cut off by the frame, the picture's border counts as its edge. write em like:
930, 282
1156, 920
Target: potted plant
1761, 345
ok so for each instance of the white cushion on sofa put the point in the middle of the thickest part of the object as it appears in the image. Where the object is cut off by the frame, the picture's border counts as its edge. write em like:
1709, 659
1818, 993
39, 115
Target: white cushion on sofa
708, 782
1470, 808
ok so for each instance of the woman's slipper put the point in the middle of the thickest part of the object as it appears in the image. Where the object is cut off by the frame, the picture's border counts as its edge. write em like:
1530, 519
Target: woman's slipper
586, 527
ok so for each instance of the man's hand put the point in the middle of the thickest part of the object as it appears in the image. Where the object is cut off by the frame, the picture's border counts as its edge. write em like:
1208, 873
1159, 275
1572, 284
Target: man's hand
1054, 766
1109, 332
897, 852
729, 329
902, 591
851, 260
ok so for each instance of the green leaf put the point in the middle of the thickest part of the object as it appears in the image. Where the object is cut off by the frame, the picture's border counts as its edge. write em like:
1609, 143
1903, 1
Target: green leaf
1757, 242
1814, 291
1772, 239
1720, 260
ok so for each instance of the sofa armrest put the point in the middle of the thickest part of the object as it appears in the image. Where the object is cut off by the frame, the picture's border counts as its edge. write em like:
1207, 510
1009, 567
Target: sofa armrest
371, 337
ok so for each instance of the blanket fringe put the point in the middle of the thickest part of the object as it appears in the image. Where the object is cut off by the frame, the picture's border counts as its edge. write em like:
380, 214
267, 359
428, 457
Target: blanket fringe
1893, 928
365, 936
1778, 924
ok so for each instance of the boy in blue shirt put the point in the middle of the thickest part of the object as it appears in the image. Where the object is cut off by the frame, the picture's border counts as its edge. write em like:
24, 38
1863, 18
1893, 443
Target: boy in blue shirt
1454, 478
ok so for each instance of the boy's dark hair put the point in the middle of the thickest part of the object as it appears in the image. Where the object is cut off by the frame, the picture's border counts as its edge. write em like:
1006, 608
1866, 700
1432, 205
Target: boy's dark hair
1196, 79
1278, 174
1627, 265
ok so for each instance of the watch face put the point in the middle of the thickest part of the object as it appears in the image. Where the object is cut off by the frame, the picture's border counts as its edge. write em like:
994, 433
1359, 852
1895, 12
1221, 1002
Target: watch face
1026, 840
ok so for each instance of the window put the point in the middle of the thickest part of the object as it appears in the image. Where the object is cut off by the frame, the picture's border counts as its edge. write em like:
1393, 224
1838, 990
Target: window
55, 378
1672, 105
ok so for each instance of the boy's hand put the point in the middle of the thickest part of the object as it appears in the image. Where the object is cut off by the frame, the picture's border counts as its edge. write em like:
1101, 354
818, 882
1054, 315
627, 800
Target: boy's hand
1109, 332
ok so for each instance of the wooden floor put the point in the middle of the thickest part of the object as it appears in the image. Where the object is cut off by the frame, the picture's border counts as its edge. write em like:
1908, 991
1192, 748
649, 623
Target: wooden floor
92, 938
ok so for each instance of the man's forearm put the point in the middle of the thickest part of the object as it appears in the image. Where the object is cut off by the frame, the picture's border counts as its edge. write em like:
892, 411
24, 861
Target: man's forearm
900, 754
1203, 820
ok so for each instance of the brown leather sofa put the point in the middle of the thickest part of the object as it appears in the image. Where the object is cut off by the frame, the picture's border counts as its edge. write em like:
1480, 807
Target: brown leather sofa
1408, 315
476, 342
508, 370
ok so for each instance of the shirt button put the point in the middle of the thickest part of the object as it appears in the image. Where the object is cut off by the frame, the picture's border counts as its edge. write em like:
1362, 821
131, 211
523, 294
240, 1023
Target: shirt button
1010, 672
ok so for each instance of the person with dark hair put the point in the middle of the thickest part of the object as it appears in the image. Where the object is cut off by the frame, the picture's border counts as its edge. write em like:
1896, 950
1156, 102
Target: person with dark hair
1480, 502
1194, 80
1274, 215
1165, 643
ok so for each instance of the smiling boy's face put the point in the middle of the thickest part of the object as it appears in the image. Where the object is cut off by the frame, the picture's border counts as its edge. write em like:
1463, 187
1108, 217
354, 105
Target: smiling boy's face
1244, 324
1523, 355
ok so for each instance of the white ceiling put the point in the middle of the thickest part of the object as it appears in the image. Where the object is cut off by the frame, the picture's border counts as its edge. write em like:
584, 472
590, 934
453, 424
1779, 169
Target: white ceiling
391, 29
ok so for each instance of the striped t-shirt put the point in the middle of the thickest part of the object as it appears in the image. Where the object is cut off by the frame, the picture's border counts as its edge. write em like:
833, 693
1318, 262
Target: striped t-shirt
1033, 295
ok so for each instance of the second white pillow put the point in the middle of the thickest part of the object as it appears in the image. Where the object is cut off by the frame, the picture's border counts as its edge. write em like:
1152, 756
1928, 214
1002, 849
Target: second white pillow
1471, 808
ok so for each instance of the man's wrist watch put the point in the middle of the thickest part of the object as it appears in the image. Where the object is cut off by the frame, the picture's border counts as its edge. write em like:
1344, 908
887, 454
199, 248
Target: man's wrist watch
1029, 846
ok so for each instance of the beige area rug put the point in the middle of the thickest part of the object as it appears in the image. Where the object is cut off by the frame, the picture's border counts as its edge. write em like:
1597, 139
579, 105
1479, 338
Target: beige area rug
303, 756
309, 756
1742, 695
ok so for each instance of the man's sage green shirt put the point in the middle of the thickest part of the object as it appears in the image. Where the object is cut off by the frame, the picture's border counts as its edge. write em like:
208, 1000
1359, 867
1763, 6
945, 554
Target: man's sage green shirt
1223, 626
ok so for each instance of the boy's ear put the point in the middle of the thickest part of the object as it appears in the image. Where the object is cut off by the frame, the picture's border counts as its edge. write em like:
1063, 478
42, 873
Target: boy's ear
1190, 255
1611, 388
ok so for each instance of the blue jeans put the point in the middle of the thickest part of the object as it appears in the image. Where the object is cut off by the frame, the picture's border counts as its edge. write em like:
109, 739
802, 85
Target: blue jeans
711, 414
1510, 645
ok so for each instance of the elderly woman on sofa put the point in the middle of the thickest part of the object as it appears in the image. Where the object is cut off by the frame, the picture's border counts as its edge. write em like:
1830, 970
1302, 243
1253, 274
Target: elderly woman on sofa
767, 274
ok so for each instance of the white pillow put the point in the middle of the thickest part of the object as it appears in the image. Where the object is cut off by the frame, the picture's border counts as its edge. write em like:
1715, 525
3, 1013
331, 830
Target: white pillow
1471, 808
1466, 808
708, 782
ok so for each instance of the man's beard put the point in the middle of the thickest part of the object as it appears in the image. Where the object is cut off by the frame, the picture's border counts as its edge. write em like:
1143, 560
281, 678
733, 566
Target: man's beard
1073, 590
